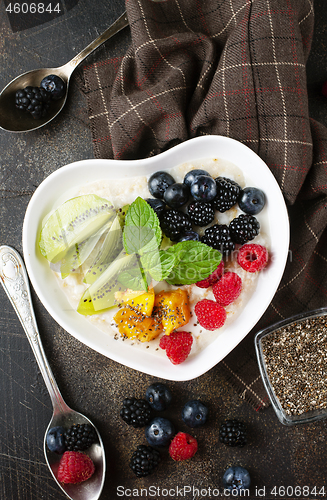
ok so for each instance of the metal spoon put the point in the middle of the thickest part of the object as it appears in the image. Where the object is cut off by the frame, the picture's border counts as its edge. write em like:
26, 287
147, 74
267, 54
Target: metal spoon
14, 279
15, 120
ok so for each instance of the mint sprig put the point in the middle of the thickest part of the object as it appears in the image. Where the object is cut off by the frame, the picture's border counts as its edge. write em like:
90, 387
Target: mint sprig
142, 231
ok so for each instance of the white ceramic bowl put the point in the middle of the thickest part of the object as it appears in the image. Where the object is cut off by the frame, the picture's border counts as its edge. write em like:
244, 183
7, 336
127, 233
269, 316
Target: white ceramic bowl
58, 188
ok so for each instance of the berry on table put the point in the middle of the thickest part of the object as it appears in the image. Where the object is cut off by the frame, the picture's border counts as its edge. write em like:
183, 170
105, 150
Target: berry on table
203, 188
136, 412
159, 182
218, 237
200, 213
251, 200
55, 439
233, 433
210, 315
252, 257
176, 195
54, 85
236, 479
174, 223
227, 289
75, 467
158, 396
144, 460
227, 194
157, 205
183, 446
34, 100
79, 437
244, 228
211, 280
194, 413
159, 432
177, 346
192, 175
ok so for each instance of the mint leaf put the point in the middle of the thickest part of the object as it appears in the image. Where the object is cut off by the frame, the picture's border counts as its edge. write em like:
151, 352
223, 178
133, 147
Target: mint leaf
142, 231
158, 264
194, 261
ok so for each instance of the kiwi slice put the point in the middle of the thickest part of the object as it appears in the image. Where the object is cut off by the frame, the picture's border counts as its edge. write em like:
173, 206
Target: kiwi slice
73, 222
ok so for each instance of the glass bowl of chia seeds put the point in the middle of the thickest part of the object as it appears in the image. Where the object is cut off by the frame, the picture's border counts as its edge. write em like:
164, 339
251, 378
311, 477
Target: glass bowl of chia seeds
292, 358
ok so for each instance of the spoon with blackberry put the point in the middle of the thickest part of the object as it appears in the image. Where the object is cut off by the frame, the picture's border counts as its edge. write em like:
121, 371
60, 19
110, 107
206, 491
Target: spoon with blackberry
33, 99
73, 447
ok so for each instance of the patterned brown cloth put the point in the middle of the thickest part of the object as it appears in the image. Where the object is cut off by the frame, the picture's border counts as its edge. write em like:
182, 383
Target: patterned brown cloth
234, 68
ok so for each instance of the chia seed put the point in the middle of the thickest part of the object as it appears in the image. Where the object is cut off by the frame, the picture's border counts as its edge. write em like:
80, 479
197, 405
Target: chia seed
296, 362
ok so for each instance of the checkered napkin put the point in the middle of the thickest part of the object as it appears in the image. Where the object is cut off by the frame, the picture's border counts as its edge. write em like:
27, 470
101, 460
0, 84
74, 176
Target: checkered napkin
234, 68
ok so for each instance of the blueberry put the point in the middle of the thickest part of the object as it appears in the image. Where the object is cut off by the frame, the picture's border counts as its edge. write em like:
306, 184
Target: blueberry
194, 413
54, 85
192, 175
236, 478
158, 183
204, 188
251, 200
157, 205
158, 396
55, 439
188, 236
176, 195
159, 432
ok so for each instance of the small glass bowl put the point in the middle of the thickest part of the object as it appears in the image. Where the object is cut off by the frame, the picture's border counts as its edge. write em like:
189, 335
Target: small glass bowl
308, 416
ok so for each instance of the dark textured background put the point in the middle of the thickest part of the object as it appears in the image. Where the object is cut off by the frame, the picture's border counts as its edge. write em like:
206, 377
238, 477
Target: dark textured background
275, 456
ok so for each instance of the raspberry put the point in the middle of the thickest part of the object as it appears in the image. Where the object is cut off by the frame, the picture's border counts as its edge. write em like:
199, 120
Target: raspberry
75, 467
227, 289
177, 346
210, 280
183, 446
210, 314
252, 257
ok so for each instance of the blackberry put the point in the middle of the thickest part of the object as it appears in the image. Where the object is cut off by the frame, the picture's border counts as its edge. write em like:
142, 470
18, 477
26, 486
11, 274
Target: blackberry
144, 460
200, 213
136, 412
233, 433
244, 228
174, 223
227, 194
34, 100
79, 437
218, 237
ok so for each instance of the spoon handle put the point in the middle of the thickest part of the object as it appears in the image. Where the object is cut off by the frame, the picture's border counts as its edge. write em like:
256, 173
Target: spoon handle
118, 25
14, 279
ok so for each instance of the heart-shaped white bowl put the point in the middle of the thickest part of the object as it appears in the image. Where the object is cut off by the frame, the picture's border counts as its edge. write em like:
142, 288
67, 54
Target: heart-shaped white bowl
59, 186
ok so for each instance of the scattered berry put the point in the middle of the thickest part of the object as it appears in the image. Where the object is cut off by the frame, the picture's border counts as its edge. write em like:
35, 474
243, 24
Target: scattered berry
244, 228
159, 432
136, 412
188, 236
79, 437
213, 277
158, 396
54, 85
157, 205
236, 479
233, 433
34, 100
218, 237
210, 315
227, 289
200, 213
203, 188
159, 182
144, 460
194, 413
183, 447
176, 195
174, 223
75, 467
177, 346
192, 175
227, 194
251, 200
252, 257
55, 439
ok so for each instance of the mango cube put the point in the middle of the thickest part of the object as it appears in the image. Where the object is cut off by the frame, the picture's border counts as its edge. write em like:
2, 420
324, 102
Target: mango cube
173, 309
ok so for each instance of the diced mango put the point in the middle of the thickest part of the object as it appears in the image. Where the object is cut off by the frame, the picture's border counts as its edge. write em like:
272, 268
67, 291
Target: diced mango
141, 301
173, 309
134, 324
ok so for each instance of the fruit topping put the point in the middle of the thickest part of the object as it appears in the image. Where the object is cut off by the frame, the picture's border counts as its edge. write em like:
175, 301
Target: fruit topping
188, 236
174, 223
136, 412
218, 237
159, 182
159, 432
177, 346
244, 228
55, 439
227, 289
157, 205
233, 433
176, 195
75, 467
192, 176
132, 323
210, 315
54, 85
194, 413
211, 280
251, 200
252, 257
138, 300
172, 307
200, 213
183, 446
33, 100
236, 478
203, 188
158, 396
227, 194
80, 437
144, 460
